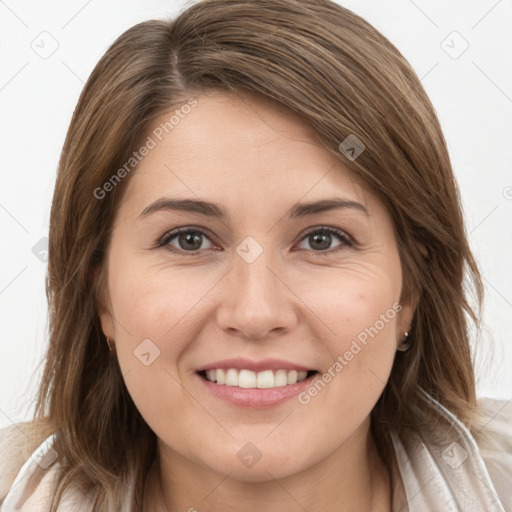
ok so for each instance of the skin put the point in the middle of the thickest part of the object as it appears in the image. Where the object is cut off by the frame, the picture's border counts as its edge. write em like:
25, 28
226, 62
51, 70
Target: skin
294, 302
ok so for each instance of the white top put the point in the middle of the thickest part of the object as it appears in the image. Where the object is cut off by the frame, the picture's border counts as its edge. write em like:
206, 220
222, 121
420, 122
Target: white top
443, 469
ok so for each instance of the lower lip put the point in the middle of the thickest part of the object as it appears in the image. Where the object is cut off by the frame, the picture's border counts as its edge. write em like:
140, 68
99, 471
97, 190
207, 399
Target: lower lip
256, 398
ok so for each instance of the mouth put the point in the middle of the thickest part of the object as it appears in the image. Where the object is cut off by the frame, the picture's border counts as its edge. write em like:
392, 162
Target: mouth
256, 384
248, 379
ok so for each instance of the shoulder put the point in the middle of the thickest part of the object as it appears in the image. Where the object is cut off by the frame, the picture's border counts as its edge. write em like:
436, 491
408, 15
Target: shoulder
446, 464
492, 428
492, 431
31, 470
17, 443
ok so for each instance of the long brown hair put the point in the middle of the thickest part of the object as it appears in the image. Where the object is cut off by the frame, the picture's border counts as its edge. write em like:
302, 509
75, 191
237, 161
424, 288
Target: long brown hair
342, 77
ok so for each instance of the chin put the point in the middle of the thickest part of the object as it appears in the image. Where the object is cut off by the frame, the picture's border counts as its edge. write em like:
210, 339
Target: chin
249, 465
261, 473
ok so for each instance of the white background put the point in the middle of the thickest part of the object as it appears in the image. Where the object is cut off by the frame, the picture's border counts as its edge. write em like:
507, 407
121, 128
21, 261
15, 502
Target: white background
472, 95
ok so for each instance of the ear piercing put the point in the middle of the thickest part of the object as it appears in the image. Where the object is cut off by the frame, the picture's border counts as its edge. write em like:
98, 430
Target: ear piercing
405, 344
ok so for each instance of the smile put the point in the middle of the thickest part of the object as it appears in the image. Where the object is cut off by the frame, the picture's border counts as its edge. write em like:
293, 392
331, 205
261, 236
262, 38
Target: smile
249, 379
257, 384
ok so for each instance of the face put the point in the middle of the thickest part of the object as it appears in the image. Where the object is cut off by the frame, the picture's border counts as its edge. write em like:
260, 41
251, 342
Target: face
295, 312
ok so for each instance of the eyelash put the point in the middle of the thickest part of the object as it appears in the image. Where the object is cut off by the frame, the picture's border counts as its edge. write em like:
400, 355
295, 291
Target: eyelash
344, 238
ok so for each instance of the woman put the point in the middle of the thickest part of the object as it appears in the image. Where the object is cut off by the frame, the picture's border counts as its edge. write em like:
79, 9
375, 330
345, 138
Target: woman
256, 282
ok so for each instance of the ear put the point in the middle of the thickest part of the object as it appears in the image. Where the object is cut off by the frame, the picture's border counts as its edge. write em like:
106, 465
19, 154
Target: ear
409, 301
107, 325
423, 249
97, 278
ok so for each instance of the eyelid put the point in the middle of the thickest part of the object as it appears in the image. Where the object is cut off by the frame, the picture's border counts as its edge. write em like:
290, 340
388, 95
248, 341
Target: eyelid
335, 231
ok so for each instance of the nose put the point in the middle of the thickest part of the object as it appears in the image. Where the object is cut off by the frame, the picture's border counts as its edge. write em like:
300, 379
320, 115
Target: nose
256, 302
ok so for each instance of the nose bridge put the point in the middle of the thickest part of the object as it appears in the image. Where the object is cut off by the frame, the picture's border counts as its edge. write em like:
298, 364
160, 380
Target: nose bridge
255, 303
256, 283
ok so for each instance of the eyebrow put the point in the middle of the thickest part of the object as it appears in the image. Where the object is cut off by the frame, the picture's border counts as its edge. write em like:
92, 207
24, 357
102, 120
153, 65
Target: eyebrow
215, 210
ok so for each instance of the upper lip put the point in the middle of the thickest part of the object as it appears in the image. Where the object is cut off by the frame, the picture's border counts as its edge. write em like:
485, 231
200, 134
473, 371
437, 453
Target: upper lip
241, 363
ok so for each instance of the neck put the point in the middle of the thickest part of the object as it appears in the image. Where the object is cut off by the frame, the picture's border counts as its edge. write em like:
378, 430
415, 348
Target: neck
362, 483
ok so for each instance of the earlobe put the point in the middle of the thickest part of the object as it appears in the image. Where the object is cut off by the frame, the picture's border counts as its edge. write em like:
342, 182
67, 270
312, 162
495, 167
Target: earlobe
409, 302
107, 325
405, 320
405, 344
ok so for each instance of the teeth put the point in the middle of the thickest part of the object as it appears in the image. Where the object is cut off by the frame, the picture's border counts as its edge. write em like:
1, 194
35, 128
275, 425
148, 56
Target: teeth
220, 378
264, 379
250, 380
231, 377
292, 376
280, 378
246, 379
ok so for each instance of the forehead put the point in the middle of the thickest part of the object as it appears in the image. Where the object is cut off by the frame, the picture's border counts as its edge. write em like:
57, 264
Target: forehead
238, 151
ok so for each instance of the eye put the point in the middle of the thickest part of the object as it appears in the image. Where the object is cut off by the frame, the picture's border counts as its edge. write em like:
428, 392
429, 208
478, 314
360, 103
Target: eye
321, 239
188, 240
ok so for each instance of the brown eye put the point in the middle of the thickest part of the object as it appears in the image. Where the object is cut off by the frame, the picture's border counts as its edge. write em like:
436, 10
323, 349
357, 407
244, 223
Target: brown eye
320, 240
186, 240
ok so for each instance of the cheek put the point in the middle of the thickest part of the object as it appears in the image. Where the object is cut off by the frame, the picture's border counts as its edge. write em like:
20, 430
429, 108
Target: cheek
155, 302
361, 353
354, 302
357, 322
151, 338
155, 311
